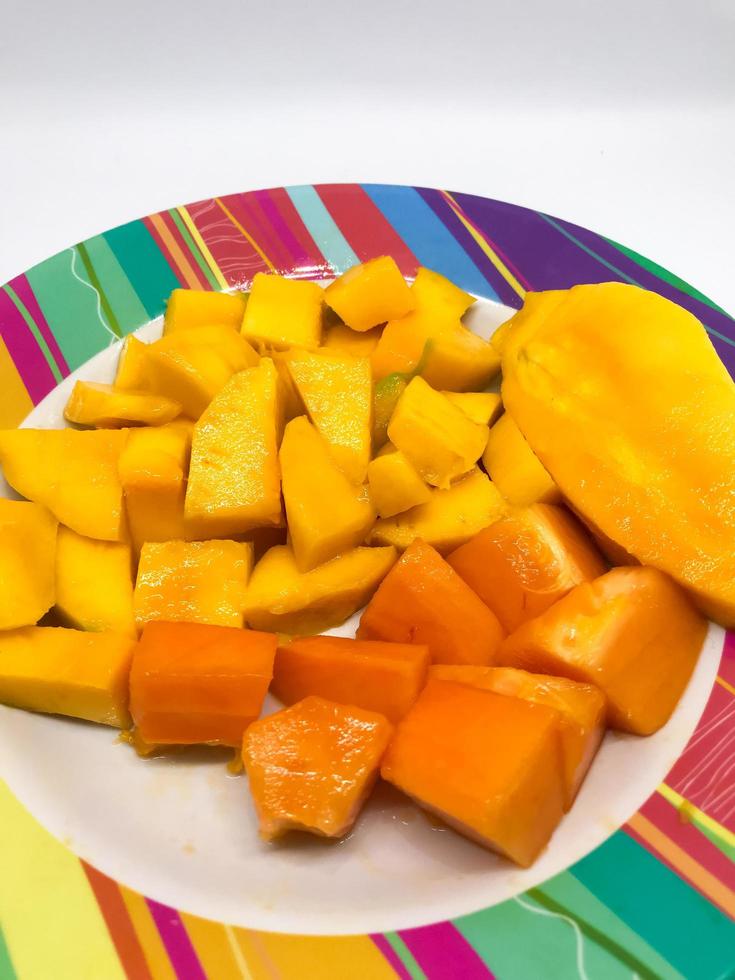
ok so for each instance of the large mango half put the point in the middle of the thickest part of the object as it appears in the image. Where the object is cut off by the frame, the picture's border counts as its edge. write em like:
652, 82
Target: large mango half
621, 395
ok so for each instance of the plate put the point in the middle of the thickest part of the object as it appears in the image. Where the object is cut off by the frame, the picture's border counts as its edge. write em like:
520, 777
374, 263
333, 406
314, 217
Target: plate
155, 867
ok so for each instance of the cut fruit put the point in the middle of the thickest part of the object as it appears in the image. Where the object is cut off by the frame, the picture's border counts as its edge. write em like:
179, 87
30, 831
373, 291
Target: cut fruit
459, 361
190, 308
283, 313
385, 398
514, 469
370, 293
27, 559
340, 339
483, 407
107, 407
395, 486
132, 366
94, 583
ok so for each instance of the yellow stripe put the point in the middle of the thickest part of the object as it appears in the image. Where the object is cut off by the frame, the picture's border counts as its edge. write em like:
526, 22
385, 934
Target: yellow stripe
242, 231
213, 948
723, 683
190, 276
494, 258
51, 920
326, 957
256, 955
148, 935
697, 815
15, 402
203, 248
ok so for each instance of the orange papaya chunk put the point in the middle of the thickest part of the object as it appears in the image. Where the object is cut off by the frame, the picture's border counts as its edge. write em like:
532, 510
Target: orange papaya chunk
312, 766
633, 632
489, 765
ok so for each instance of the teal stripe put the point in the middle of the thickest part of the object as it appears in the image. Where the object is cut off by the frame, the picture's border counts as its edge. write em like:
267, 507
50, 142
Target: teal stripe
322, 227
150, 275
6, 966
688, 931
405, 955
122, 298
33, 327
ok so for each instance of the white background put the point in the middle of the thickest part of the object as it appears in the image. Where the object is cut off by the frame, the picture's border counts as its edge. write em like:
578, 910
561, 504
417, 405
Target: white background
619, 115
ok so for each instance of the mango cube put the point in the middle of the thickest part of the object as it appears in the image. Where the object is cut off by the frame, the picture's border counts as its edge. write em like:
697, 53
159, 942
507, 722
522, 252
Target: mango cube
458, 360
489, 765
293, 403
340, 339
283, 313
193, 582
312, 766
515, 469
482, 407
27, 556
285, 600
132, 366
234, 476
431, 290
67, 672
94, 583
370, 293
395, 486
71, 472
106, 407
385, 398
190, 308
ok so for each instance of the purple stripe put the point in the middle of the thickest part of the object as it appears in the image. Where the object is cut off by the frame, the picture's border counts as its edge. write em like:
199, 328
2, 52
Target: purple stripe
283, 231
390, 954
24, 350
443, 953
176, 940
23, 288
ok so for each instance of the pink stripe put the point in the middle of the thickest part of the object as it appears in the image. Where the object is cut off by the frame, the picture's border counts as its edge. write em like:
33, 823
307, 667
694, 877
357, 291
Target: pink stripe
23, 288
727, 664
390, 954
443, 953
281, 229
235, 257
248, 212
669, 821
176, 940
24, 350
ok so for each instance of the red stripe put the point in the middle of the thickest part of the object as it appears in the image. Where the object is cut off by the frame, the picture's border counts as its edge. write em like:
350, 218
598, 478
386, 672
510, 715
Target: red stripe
164, 250
234, 255
118, 923
249, 213
669, 821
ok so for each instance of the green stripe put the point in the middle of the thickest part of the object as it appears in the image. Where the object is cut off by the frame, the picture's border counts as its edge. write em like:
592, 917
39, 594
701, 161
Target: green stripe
92, 275
194, 249
143, 263
122, 298
33, 327
405, 955
6, 966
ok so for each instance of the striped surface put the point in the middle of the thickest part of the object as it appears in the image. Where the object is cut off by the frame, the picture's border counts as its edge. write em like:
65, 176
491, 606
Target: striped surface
656, 900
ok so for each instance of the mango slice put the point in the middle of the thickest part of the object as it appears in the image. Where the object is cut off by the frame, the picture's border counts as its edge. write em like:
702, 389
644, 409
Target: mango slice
448, 519
106, 407
340, 339
192, 684
190, 308
423, 600
67, 672
431, 290
436, 437
193, 582
192, 366
525, 561
283, 313
327, 514
395, 486
385, 398
282, 599
382, 677
581, 710
338, 394
293, 403
642, 445
234, 476
514, 468
27, 556
72, 473
94, 584
311, 767
132, 366
633, 632
483, 407
489, 765
370, 293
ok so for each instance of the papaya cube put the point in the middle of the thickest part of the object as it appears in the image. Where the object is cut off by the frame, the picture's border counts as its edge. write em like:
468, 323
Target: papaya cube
27, 556
337, 392
106, 407
482, 407
340, 339
67, 672
312, 766
234, 476
132, 366
71, 472
192, 684
633, 632
370, 293
285, 600
327, 514
489, 765
581, 710
283, 313
515, 469
193, 582
190, 308
437, 437
423, 600
382, 677
395, 486
94, 583
448, 518
527, 560
459, 360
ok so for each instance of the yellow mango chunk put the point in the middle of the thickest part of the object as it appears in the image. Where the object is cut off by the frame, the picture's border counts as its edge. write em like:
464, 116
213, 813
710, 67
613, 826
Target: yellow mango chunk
515, 469
72, 472
438, 438
448, 519
430, 290
483, 407
67, 672
94, 583
192, 366
283, 313
395, 486
27, 554
340, 339
193, 582
459, 360
370, 293
283, 599
293, 404
338, 394
190, 308
132, 366
327, 513
105, 407
234, 476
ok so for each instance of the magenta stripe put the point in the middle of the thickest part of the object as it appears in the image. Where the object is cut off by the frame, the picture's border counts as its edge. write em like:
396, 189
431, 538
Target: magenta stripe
24, 350
285, 234
443, 953
390, 954
176, 940
23, 288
